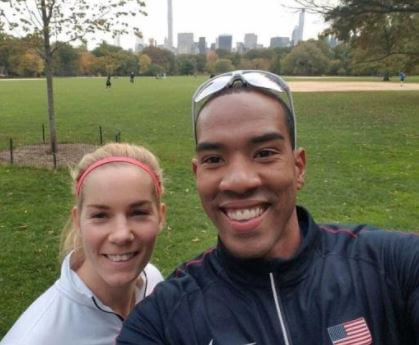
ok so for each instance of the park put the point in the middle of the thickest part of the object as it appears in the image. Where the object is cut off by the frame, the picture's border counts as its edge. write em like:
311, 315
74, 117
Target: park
356, 97
362, 151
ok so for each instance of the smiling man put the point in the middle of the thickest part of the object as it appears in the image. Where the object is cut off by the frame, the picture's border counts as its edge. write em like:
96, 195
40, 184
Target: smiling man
275, 276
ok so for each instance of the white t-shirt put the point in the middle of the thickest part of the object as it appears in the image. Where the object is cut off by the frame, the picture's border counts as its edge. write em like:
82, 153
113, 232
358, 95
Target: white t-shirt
68, 313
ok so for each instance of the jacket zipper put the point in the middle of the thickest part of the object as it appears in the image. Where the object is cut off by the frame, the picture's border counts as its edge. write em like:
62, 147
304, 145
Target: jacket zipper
278, 310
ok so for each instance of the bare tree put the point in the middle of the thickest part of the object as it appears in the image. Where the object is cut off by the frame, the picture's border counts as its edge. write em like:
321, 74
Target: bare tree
58, 22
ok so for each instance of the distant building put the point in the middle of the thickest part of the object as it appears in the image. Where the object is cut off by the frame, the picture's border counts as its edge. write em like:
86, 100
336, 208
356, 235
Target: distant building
139, 44
280, 42
185, 43
117, 40
250, 41
332, 41
224, 42
169, 43
240, 48
202, 45
297, 33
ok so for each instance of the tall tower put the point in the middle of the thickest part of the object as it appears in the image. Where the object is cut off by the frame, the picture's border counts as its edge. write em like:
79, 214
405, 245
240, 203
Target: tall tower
301, 25
169, 24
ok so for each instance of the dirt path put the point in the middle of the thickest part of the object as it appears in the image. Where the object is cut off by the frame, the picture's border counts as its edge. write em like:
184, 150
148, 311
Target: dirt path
338, 86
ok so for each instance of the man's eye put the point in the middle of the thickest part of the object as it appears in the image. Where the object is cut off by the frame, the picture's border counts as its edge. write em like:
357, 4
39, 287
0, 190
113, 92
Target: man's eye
265, 153
211, 160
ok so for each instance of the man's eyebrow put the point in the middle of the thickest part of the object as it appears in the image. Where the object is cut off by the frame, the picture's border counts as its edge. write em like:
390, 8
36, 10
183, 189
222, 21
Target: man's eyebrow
102, 207
208, 146
267, 137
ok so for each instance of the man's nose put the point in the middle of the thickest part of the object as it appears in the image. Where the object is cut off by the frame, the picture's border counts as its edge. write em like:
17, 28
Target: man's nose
121, 233
241, 175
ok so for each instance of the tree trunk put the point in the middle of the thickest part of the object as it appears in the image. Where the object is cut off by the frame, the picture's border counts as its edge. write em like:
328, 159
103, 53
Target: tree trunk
49, 77
51, 108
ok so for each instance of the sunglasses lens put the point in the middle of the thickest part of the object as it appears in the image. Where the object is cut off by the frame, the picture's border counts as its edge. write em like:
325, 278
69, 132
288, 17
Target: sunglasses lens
212, 87
263, 81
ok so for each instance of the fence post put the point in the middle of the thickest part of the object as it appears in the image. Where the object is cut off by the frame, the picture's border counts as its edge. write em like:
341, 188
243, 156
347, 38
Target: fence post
11, 151
43, 133
118, 137
54, 159
100, 135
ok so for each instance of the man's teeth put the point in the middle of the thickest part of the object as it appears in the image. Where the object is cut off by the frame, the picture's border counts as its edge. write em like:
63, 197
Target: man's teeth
120, 257
244, 214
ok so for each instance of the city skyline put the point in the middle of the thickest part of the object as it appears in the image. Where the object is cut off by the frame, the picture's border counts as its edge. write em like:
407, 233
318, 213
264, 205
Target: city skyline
213, 18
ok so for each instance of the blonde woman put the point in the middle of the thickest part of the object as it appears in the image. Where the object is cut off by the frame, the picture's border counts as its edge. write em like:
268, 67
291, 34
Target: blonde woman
106, 251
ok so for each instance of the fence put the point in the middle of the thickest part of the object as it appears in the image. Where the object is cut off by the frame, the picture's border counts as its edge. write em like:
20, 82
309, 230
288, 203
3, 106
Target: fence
37, 152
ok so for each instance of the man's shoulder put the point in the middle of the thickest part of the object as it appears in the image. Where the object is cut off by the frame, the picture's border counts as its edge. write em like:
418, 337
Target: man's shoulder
365, 241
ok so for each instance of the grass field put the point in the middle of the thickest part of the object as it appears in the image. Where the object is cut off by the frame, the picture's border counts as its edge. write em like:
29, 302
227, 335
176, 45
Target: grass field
362, 150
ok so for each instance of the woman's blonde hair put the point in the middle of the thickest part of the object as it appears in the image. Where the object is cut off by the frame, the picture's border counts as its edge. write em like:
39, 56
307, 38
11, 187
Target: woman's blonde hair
70, 237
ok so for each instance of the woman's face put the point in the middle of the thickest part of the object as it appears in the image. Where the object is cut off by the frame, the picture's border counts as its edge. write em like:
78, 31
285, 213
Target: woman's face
118, 222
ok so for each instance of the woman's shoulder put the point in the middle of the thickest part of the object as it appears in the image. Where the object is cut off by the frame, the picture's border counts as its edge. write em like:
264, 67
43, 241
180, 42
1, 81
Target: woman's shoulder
152, 277
31, 324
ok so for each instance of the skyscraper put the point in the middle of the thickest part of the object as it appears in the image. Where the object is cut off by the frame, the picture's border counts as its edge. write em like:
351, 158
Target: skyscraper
250, 41
279, 42
202, 45
185, 43
169, 24
224, 42
297, 33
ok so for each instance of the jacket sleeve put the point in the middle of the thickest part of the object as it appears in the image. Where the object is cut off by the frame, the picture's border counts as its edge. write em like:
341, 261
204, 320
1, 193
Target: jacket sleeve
404, 258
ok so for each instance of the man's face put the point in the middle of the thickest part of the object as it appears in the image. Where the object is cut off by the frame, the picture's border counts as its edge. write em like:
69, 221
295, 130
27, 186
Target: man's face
247, 174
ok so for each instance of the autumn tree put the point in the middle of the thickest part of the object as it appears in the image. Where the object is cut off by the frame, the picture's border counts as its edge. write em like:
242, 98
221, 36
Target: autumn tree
377, 29
145, 63
67, 21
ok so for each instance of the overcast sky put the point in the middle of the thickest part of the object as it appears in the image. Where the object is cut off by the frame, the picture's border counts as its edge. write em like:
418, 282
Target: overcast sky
210, 18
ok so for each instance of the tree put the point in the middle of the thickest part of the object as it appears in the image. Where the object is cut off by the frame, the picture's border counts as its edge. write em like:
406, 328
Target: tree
145, 63
87, 63
186, 64
306, 59
223, 65
162, 57
71, 20
380, 29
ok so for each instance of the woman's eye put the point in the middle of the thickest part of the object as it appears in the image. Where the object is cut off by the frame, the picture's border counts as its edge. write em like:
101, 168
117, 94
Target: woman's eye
99, 215
140, 212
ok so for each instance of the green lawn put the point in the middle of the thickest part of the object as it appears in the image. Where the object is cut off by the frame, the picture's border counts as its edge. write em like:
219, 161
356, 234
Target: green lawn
362, 150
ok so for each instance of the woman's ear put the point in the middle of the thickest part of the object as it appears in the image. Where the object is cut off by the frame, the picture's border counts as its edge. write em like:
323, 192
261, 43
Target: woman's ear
162, 215
75, 217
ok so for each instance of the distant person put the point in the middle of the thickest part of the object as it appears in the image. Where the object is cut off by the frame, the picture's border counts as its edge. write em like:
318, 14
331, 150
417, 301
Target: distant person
108, 82
402, 78
131, 77
275, 276
107, 247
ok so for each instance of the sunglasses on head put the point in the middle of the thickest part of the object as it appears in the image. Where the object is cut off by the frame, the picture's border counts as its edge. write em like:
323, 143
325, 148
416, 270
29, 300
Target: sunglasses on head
262, 80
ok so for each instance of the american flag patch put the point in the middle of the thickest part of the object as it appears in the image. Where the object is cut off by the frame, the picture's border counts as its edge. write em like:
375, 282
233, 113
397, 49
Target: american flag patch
353, 332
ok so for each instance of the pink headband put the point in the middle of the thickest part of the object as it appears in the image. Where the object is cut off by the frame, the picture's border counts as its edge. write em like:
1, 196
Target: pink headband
113, 159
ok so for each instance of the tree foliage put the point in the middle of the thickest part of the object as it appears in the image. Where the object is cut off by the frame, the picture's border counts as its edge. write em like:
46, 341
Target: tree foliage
376, 29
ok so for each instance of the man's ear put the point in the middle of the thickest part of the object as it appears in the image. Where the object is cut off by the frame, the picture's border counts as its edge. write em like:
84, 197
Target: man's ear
300, 166
194, 166
75, 217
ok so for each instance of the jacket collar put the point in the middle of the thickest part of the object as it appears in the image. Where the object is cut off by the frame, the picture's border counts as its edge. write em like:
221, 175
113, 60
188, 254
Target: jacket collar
286, 272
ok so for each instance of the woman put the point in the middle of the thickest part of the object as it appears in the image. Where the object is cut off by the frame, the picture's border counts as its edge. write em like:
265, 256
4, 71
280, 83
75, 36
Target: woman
106, 248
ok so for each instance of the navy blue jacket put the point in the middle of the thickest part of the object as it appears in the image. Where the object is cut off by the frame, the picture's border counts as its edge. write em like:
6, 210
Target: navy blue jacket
353, 285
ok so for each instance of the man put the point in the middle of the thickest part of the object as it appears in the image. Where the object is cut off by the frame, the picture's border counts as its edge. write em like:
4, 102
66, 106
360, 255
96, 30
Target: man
275, 277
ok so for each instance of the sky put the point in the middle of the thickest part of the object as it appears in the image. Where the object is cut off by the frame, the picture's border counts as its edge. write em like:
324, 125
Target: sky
210, 18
